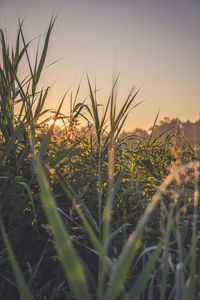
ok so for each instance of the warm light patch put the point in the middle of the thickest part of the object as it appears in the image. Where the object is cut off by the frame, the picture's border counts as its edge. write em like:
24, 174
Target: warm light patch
57, 122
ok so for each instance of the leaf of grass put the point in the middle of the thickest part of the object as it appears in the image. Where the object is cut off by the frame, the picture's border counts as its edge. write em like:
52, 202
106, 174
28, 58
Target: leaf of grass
140, 284
179, 282
46, 141
69, 259
10, 144
23, 289
152, 130
27, 188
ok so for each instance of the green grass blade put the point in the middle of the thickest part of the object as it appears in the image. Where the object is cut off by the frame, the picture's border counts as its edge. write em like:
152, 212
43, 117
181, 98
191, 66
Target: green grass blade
89, 217
69, 259
140, 284
4, 131
37, 266
165, 269
45, 143
44, 53
113, 235
179, 282
95, 113
152, 130
118, 183
22, 157
7, 279
23, 289
88, 227
100, 191
61, 154
67, 216
78, 203
27, 188
40, 104
10, 144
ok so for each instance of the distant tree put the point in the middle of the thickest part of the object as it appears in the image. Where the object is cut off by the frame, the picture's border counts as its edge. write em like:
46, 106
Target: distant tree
191, 130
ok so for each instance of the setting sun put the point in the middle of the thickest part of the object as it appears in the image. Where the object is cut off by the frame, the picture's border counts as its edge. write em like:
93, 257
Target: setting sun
57, 122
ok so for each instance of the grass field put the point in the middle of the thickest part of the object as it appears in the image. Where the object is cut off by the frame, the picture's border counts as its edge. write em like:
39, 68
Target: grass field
85, 216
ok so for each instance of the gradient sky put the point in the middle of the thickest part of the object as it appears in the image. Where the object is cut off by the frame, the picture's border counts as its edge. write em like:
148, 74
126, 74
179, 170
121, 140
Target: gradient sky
154, 44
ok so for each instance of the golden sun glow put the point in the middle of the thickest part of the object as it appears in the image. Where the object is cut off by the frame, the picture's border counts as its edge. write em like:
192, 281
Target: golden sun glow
57, 122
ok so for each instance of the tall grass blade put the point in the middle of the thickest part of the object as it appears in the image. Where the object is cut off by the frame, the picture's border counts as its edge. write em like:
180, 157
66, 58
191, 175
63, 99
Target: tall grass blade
36, 267
76, 200
95, 113
152, 130
140, 284
89, 228
23, 289
99, 193
165, 269
62, 154
46, 141
44, 52
69, 259
27, 188
179, 282
10, 144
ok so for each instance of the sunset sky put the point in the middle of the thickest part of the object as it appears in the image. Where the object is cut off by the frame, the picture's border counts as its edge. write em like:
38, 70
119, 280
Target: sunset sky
154, 44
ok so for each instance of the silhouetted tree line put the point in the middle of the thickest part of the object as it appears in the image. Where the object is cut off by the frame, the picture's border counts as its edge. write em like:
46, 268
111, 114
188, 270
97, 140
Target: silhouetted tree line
190, 131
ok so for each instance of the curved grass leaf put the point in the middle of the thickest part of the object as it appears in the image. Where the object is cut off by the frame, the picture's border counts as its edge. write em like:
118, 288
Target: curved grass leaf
46, 141
61, 154
23, 289
27, 188
140, 284
10, 144
113, 235
69, 259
